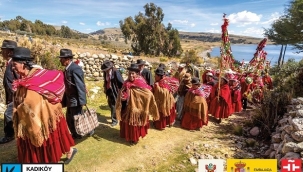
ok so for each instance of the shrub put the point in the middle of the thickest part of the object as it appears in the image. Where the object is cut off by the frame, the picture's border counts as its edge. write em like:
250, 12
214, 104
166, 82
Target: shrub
163, 59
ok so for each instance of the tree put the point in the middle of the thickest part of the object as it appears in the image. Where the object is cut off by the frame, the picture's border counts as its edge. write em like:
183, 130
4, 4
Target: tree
148, 35
288, 29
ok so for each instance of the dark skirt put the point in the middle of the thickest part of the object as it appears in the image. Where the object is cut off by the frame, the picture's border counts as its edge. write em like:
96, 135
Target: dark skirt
166, 120
191, 122
59, 142
132, 133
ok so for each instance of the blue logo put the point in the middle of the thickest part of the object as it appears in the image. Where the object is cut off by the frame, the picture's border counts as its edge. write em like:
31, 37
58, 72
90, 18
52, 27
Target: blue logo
11, 167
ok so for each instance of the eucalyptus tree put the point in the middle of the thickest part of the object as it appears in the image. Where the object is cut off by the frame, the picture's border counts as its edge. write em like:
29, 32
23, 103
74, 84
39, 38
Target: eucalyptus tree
148, 34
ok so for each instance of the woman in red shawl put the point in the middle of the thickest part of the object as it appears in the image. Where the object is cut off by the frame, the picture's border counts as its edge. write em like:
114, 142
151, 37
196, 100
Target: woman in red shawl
236, 97
221, 105
164, 88
39, 123
135, 103
195, 107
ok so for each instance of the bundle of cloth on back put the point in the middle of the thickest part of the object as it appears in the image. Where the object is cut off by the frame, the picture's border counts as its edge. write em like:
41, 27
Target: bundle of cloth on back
185, 85
164, 89
195, 107
135, 103
39, 123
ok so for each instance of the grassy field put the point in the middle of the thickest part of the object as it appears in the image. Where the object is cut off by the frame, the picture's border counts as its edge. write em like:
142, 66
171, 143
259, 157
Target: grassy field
167, 150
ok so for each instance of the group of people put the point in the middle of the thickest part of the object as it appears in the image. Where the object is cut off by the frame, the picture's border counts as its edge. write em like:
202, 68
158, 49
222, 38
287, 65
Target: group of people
35, 98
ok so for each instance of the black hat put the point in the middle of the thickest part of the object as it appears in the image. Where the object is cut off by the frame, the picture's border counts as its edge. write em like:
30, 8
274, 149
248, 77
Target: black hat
9, 44
195, 81
140, 62
159, 71
162, 65
107, 65
133, 67
21, 54
65, 53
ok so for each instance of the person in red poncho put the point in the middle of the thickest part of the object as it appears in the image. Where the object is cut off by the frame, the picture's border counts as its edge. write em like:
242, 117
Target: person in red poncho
204, 76
267, 81
221, 107
135, 102
195, 107
245, 90
235, 89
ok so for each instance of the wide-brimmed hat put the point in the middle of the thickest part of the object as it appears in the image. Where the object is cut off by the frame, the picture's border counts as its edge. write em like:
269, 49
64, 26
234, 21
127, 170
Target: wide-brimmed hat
182, 65
209, 74
66, 53
21, 54
162, 65
195, 81
106, 65
9, 44
232, 77
187, 77
159, 71
225, 77
140, 62
208, 69
133, 67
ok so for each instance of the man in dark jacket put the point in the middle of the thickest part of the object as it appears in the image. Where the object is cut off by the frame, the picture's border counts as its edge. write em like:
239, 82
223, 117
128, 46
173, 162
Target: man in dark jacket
75, 91
9, 75
113, 82
145, 73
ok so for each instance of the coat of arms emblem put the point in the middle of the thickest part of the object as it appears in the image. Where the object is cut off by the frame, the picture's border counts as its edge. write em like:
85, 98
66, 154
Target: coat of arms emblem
210, 168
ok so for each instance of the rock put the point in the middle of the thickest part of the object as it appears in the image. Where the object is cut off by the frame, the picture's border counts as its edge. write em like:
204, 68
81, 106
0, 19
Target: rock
255, 131
96, 74
291, 155
272, 154
289, 147
298, 136
299, 147
101, 56
300, 100
283, 121
82, 55
288, 128
297, 123
288, 138
114, 57
276, 138
193, 161
130, 57
267, 153
275, 146
95, 56
88, 54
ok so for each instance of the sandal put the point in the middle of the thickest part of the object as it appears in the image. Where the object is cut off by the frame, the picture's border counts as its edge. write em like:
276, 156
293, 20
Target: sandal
71, 157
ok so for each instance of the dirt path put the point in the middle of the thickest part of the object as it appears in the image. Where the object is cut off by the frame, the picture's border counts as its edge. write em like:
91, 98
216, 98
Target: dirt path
163, 149
167, 150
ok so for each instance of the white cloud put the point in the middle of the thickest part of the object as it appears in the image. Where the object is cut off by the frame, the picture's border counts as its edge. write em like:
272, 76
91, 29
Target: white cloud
244, 18
274, 16
64, 22
82, 23
102, 24
192, 25
214, 24
252, 31
184, 22
88, 29
212, 30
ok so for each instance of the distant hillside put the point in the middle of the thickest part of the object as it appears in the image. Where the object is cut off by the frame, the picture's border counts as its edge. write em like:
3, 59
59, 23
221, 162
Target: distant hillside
114, 33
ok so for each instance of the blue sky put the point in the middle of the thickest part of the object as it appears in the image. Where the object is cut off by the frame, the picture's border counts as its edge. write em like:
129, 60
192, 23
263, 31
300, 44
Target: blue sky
247, 17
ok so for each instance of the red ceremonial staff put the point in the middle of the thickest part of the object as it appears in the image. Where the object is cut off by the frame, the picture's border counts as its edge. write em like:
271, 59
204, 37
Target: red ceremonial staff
227, 58
259, 58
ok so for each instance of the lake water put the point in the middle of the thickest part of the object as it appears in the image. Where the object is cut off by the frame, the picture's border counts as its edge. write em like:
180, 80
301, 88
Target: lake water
246, 52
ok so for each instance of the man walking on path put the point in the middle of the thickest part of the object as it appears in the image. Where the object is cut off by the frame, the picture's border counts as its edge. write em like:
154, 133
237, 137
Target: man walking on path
9, 75
75, 91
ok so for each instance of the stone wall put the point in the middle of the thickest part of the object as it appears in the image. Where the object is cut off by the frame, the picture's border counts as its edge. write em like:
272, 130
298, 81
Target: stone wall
287, 141
92, 62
